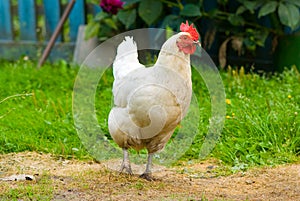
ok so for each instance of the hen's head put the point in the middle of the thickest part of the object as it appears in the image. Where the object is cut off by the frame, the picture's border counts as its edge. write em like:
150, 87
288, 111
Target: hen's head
188, 38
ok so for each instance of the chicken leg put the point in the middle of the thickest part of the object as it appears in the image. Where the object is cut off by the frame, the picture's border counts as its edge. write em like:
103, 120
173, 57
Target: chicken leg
147, 174
126, 162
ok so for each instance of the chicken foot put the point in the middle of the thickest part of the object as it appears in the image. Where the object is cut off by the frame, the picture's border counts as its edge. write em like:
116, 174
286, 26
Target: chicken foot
147, 174
126, 162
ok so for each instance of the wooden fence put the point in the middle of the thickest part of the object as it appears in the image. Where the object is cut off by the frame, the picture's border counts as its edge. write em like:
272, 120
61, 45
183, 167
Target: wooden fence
26, 26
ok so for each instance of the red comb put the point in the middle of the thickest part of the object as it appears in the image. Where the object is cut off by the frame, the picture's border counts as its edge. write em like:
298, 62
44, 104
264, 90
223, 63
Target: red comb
190, 29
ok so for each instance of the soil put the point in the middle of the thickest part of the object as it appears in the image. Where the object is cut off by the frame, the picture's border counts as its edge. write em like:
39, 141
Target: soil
199, 180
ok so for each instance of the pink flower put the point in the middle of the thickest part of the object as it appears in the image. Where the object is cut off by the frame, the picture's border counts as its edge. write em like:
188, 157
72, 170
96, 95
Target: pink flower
111, 6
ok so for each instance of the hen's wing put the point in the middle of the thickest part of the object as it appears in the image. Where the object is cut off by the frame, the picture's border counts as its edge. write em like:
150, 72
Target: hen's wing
126, 59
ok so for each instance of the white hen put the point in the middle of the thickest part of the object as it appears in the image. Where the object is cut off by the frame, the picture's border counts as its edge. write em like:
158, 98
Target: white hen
150, 102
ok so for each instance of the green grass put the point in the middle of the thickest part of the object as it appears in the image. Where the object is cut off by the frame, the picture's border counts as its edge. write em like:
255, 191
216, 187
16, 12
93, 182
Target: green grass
262, 126
42, 120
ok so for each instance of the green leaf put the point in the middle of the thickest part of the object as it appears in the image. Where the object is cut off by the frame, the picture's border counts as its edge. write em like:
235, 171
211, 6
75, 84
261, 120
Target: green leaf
169, 32
294, 15
92, 30
250, 5
236, 20
150, 10
190, 10
111, 23
288, 15
100, 16
127, 17
295, 2
283, 14
240, 10
267, 8
94, 2
260, 37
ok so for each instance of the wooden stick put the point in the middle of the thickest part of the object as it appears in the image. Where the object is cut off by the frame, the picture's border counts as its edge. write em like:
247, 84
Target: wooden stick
56, 32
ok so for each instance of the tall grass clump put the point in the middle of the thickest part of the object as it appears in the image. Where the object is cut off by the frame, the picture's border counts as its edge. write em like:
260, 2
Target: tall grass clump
263, 119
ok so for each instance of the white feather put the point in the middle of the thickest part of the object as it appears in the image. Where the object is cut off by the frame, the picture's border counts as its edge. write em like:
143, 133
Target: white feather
126, 59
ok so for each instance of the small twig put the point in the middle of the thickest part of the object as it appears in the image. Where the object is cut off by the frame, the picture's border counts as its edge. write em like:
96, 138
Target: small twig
14, 96
2, 116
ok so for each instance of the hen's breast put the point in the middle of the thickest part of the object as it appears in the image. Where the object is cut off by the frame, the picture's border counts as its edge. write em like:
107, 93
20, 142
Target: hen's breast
156, 99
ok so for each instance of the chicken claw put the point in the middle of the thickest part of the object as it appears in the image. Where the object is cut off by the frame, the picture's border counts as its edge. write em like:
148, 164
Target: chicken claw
126, 163
147, 176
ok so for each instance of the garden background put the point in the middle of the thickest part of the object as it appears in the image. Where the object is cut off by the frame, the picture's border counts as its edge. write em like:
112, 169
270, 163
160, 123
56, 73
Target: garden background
260, 141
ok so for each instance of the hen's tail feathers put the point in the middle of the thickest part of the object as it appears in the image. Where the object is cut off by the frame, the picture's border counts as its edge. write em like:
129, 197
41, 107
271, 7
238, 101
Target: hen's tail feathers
126, 48
126, 58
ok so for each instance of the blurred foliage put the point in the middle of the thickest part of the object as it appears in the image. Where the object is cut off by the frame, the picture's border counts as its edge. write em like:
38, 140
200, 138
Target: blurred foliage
244, 24
142, 14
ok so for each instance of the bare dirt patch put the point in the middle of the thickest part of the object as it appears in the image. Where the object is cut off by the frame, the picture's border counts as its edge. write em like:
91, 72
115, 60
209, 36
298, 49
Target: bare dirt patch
87, 180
